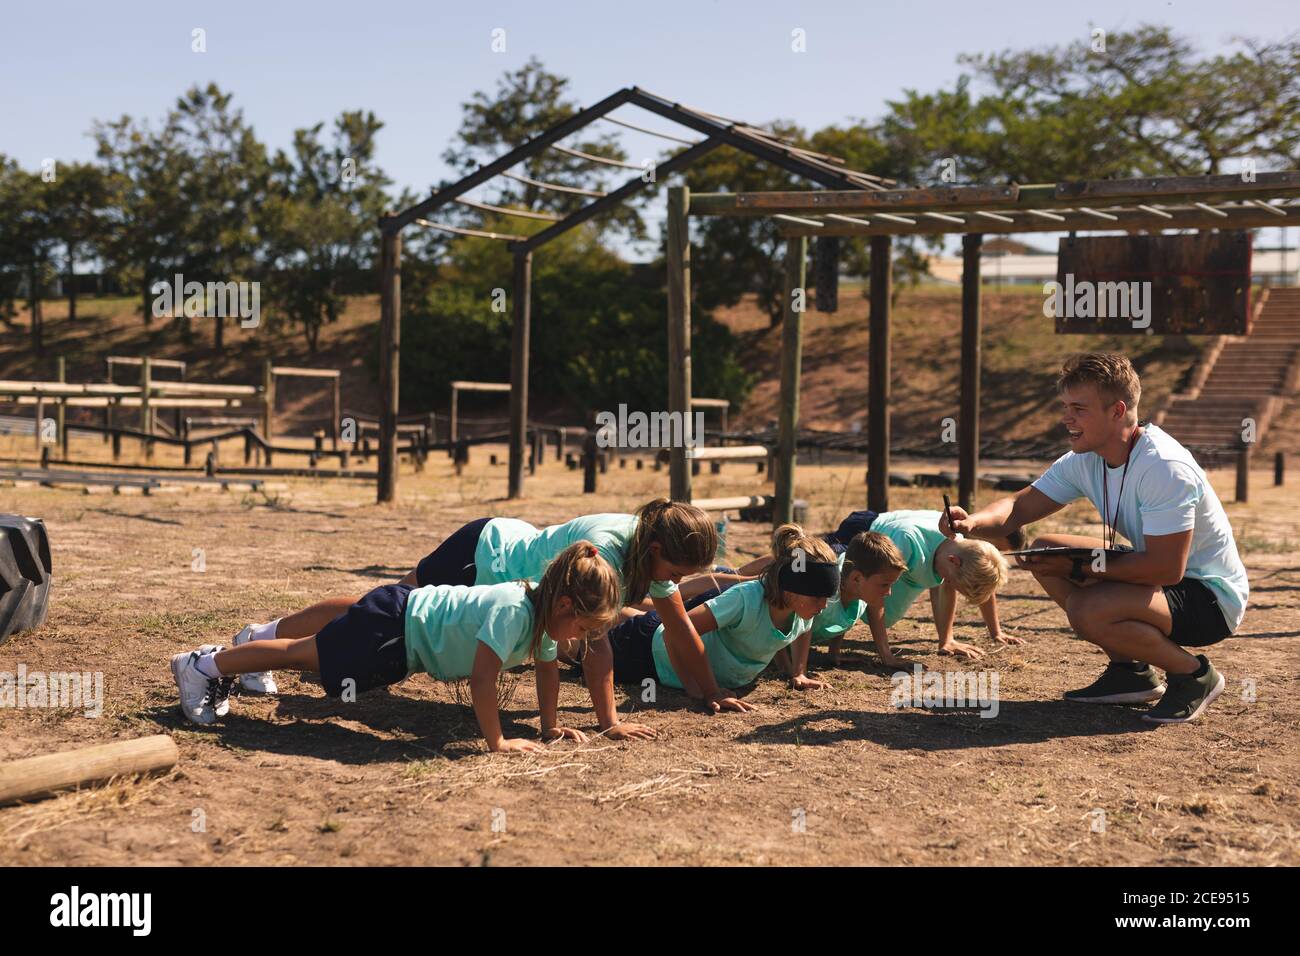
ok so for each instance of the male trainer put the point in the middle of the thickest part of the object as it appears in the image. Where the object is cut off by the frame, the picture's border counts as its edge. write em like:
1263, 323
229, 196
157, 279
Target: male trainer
1180, 585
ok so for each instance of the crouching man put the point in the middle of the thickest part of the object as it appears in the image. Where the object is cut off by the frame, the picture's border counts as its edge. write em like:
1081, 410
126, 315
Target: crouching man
1180, 585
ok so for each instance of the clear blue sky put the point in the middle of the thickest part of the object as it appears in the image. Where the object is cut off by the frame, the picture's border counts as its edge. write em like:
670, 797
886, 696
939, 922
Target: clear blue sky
291, 64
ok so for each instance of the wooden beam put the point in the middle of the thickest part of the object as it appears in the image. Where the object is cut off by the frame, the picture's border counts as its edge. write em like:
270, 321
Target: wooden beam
678, 258
968, 447
1129, 219
949, 198
878, 376
796, 257
390, 336
519, 348
1041, 196
290, 371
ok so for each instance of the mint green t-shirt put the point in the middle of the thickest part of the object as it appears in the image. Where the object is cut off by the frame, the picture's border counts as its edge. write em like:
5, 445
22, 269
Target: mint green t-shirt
744, 643
512, 550
837, 617
917, 536
445, 623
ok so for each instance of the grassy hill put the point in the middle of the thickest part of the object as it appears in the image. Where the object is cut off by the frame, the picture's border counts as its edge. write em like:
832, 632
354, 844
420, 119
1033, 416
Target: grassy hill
1021, 354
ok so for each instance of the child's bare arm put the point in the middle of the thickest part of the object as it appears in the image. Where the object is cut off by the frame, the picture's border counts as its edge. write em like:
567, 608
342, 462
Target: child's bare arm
799, 678
989, 611
943, 600
598, 674
483, 692
880, 634
546, 674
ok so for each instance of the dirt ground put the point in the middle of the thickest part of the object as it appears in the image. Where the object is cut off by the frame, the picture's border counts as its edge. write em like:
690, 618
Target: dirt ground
833, 777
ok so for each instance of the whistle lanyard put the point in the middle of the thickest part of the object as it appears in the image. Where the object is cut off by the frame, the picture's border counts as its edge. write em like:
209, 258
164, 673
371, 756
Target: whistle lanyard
1109, 523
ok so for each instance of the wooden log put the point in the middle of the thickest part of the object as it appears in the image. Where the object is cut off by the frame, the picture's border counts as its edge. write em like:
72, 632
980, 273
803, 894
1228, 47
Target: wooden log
968, 448
729, 453
796, 255
730, 504
678, 258
34, 778
878, 377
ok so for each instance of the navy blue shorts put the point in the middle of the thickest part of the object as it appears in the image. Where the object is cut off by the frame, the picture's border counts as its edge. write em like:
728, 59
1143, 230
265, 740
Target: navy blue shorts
633, 643
452, 562
366, 643
850, 528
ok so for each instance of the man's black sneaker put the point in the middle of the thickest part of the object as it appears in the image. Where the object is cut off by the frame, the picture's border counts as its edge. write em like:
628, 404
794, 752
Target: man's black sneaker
1188, 695
1119, 684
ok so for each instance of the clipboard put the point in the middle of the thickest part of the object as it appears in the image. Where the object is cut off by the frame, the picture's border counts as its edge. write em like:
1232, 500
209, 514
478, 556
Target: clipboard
1074, 554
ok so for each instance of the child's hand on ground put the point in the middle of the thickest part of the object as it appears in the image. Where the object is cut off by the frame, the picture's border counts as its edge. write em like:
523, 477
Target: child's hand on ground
726, 699
957, 648
893, 660
630, 731
515, 745
562, 733
804, 682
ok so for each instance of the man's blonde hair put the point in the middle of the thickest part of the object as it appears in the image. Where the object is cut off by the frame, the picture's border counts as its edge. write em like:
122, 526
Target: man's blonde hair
982, 571
1113, 375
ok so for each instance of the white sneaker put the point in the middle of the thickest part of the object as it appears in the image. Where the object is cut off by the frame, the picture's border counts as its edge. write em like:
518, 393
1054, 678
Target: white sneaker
203, 699
257, 682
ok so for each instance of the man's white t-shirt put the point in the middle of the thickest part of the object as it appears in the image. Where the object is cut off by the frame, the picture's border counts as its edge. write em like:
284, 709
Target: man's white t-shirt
1166, 492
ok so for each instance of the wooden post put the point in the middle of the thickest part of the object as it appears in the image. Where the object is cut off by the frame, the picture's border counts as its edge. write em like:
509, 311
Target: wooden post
679, 336
1243, 473
1279, 468
455, 400
146, 412
523, 272
968, 447
796, 256
268, 399
390, 336
589, 453
878, 373
62, 413
338, 413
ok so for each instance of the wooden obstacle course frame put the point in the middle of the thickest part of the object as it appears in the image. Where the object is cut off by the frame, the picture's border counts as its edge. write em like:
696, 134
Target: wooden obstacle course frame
271, 371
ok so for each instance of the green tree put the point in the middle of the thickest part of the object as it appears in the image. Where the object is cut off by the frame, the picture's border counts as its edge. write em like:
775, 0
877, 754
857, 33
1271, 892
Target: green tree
145, 236
224, 186
27, 241
77, 200
321, 218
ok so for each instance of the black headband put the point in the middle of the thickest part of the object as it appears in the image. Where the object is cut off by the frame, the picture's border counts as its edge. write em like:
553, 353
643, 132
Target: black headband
817, 579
